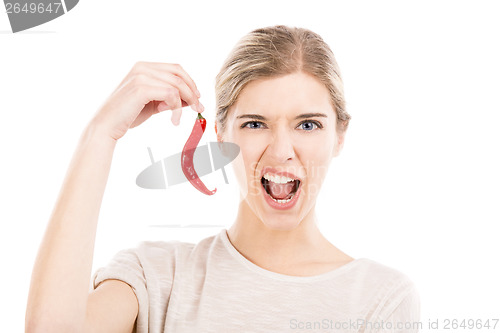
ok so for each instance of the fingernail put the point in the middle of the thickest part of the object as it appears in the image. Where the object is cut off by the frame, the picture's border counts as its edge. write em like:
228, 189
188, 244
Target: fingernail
198, 93
201, 107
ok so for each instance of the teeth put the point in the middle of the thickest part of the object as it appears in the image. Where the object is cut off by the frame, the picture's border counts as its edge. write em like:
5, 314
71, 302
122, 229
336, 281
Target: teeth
278, 179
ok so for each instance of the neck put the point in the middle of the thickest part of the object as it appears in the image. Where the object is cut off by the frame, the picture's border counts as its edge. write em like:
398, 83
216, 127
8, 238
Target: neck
293, 243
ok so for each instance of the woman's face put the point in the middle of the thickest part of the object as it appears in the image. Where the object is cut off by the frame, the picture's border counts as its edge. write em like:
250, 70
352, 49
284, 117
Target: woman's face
285, 124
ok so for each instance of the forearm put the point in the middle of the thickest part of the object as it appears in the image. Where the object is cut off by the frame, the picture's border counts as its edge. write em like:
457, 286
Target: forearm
61, 274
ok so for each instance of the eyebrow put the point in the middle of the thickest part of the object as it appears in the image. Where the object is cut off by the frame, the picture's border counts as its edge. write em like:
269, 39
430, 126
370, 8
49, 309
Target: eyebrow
301, 116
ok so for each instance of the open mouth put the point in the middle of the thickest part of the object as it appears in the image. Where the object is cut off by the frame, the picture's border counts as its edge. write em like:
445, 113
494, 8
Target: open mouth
280, 192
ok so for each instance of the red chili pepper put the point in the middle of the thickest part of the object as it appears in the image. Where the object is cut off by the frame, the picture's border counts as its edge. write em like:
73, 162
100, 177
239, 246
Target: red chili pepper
188, 153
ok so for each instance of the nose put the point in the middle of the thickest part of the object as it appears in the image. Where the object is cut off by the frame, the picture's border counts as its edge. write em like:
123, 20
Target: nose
281, 148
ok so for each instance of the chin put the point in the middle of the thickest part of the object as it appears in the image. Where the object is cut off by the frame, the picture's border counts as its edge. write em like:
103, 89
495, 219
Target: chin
280, 221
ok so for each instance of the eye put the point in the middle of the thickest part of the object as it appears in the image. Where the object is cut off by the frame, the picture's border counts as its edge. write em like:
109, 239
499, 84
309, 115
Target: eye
310, 125
252, 123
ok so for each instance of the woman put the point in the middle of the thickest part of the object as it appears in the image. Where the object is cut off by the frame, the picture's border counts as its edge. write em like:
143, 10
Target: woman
280, 98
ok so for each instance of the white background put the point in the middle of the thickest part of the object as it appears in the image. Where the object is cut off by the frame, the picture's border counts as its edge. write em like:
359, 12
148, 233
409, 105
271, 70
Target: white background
416, 187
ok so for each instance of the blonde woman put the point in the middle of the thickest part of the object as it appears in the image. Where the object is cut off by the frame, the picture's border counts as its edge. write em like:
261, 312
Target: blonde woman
280, 98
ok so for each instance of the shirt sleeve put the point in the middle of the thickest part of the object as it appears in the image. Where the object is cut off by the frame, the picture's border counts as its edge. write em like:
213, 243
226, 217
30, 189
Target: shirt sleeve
126, 266
403, 315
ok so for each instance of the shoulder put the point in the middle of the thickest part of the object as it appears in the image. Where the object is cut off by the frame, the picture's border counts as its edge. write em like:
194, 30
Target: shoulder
392, 281
381, 281
382, 272
396, 292
172, 249
152, 249
152, 259
143, 255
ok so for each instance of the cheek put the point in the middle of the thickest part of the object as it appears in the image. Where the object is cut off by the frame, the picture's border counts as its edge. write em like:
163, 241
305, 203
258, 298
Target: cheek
246, 163
239, 168
252, 154
251, 148
316, 162
315, 149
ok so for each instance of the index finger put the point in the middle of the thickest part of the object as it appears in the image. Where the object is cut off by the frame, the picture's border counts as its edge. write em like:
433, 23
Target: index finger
179, 71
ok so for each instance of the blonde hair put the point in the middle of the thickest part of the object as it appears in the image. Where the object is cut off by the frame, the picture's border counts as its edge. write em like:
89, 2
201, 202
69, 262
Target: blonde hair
275, 51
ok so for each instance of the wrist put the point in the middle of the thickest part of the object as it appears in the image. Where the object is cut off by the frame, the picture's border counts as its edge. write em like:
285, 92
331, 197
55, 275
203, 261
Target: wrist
95, 131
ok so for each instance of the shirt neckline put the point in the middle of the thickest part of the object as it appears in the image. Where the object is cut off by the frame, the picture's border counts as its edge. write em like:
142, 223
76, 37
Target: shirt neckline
283, 277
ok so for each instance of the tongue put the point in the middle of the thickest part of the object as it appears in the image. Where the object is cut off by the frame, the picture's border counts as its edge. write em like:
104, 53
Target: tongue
280, 191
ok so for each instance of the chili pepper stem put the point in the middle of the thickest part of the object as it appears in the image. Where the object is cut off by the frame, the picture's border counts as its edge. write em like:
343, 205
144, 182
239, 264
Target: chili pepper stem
200, 116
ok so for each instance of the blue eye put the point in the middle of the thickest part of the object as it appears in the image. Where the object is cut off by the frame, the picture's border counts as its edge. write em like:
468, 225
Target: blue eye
310, 127
251, 122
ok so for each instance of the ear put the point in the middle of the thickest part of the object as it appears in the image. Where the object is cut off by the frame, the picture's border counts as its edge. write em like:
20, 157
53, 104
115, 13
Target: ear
219, 137
217, 133
220, 141
340, 144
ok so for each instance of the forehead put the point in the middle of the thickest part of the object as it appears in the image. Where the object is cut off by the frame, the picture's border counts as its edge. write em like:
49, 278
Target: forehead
292, 93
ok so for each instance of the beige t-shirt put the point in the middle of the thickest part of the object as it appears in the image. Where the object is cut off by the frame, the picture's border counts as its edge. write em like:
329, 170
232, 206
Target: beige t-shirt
211, 287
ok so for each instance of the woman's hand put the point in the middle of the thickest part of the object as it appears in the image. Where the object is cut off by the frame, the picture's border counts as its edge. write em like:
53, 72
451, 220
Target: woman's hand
147, 89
